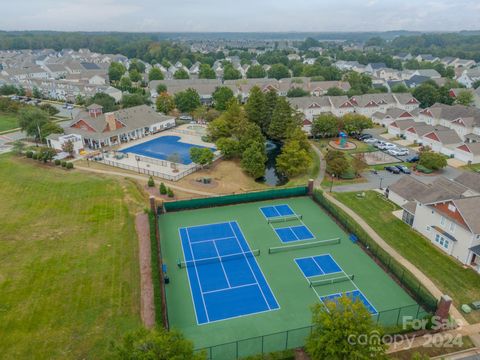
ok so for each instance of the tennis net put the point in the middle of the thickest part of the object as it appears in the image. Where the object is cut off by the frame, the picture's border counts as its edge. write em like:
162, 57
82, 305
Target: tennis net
185, 264
305, 245
330, 281
279, 219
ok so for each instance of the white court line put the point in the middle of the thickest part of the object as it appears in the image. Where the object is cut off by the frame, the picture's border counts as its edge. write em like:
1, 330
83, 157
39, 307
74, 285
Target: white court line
217, 239
198, 278
230, 288
259, 268
218, 257
266, 207
221, 264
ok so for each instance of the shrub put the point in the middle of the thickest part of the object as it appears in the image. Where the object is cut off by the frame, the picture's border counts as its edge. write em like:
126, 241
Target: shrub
57, 162
151, 182
69, 165
34, 156
29, 154
64, 164
170, 192
163, 189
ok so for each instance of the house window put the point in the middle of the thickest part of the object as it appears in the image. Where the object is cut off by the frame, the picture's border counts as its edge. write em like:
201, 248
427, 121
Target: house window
442, 241
452, 226
442, 221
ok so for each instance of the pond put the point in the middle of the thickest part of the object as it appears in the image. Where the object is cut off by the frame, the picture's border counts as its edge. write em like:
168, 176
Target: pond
272, 177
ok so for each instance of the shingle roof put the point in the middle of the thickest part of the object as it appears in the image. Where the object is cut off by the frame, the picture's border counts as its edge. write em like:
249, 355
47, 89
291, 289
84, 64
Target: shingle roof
468, 208
408, 188
469, 179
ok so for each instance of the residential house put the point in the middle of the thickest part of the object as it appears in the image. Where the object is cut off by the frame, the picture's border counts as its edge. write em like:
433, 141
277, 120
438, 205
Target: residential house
57, 141
99, 129
468, 152
443, 142
469, 76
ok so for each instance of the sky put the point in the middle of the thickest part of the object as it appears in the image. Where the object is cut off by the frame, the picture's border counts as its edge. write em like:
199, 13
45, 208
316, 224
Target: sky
239, 15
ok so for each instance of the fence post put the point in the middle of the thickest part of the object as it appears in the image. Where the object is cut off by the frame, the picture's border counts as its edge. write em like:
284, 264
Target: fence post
398, 316
262, 343
286, 340
236, 345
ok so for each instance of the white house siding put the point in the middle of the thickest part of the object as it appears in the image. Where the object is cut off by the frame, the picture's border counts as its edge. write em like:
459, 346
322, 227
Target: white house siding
466, 157
425, 218
397, 199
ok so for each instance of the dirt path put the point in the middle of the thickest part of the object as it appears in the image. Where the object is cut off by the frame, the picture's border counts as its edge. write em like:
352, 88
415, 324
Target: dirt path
143, 178
323, 166
147, 307
434, 290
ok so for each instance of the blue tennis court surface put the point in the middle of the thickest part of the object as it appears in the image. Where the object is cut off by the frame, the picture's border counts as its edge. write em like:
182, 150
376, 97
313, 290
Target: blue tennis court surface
163, 147
318, 265
294, 233
354, 295
225, 278
276, 211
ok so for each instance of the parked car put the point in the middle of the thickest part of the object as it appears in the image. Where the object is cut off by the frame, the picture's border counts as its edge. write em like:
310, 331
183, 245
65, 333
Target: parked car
380, 144
370, 141
397, 152
392, 169
365, 137
412, 159
403, 169
389, 146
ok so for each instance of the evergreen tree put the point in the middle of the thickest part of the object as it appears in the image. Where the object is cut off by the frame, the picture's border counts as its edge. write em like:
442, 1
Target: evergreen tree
271, 98
294, 160
253, 160
256, 107
283, 120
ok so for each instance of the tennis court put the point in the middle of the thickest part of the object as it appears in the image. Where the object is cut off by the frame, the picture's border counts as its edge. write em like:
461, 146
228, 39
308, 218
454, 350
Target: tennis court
283, 213
316, 270
225, 279
231, 278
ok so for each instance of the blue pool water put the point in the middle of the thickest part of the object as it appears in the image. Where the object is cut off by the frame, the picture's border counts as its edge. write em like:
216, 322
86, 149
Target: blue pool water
163, 147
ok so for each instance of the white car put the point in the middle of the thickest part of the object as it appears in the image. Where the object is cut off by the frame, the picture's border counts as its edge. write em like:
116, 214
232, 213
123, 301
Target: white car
398, 152
389, 146
370, 141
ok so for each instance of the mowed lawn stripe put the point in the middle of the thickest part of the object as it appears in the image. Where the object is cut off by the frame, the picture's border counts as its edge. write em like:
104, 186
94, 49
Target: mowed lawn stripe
69, 276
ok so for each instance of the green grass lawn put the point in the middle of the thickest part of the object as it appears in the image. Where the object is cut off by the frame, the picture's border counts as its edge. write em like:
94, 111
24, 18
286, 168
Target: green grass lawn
473, 167
8, 121
447, 273
69, 272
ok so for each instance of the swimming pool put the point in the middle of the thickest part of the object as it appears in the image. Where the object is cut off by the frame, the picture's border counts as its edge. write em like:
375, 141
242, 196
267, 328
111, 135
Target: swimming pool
164, 147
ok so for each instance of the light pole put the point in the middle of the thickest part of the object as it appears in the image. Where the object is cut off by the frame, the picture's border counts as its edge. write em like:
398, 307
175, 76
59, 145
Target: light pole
381, 179
331, 184
138, 163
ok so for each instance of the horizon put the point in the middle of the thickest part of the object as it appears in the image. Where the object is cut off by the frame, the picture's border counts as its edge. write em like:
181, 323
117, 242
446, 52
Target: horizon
249, 17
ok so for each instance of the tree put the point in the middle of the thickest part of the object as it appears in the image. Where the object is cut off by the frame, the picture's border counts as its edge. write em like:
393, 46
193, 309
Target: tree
137, 65
256, 108
155, 74
104, 100
201, 156
427, 93
253, 160
31, 120
335, 91
46, 154
297, 92
464, 97
358, 82
165, 103
187, 100
359, 164
170, 193
49, 108
356, 123
293, 160
399, 88
476, 84
125, 83
134, 76
219, 128
206, 72
221, 97
229, 147
283, 120
162, 189
158, 344
338, 166
230, 73
36, 93
337, 327
68, 147
151, 182
181, 74
131, 100
116, 71
161, 88
256, 72
278, 71
325, 125
271, 98
432, 160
